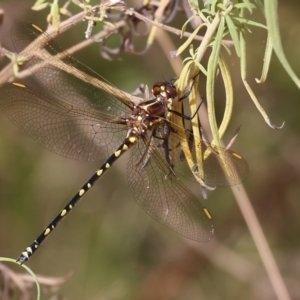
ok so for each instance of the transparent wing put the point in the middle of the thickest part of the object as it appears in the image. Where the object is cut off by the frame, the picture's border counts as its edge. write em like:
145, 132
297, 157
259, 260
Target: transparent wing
163, 196
222, 167
215, 166
64, 113
62, 74
61, 128
192, 158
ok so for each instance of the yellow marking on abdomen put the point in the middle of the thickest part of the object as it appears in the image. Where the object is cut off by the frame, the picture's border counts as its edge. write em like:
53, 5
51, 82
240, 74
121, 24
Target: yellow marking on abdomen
63, 213
81, 192
132, 139
29, 250
107, 166
99, 172
47, 231
25, 254
117, 153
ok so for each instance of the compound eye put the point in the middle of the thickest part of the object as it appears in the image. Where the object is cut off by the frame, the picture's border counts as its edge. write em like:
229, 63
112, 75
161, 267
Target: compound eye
156, 90
170, 90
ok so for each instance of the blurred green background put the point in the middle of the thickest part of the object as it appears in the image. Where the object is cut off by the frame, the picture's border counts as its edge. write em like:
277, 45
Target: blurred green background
116, 251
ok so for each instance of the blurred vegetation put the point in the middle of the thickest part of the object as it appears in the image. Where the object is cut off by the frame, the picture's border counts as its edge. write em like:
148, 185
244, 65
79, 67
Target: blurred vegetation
113, 248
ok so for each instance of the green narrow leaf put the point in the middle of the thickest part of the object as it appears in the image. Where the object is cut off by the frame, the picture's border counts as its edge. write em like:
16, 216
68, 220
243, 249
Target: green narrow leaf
186, 24
200, 67
273, 28
247, 86
38, 4
188, 41
249, 22
213, 6
267, 60
39, 7
55, 14
243, 55
210, 83
245, 5
234, 34
229, 95
259, 5
259, 107
209, 34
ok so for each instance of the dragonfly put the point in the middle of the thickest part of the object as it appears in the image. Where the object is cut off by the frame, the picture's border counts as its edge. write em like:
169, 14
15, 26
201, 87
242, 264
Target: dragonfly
72, 111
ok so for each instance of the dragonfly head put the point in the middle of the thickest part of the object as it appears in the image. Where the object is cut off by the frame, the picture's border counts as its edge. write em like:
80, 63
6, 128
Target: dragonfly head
166, 92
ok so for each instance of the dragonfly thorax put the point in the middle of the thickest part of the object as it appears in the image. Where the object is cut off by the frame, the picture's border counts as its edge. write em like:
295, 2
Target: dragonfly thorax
141, 120
148, 113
